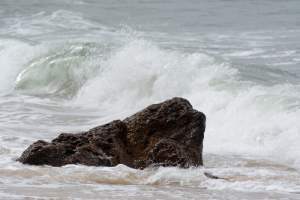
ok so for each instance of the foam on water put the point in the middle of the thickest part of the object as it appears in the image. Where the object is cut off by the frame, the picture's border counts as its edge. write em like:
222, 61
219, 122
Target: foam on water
142, 72
258, 120
242, 176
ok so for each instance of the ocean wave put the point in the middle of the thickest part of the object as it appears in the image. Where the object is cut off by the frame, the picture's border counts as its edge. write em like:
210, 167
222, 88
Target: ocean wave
259, 119
43, 23
60, 72
14, 54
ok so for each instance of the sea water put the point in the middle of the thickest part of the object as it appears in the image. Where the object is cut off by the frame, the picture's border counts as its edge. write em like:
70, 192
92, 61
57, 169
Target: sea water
70, 65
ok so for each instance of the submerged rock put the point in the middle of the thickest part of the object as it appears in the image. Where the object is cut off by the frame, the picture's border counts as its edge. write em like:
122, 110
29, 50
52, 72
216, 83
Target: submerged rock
166, 134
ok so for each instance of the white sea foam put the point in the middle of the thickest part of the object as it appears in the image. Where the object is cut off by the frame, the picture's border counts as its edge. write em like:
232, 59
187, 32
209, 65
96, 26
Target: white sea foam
233, 178
242, 117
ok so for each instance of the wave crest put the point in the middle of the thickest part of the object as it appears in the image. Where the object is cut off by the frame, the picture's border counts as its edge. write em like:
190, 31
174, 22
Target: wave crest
61, 72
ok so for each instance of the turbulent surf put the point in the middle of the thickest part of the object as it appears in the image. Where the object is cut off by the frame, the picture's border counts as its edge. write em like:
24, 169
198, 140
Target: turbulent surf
72, 65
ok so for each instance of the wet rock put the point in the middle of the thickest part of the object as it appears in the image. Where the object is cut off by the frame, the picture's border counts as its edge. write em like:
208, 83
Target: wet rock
168, 134
101, 146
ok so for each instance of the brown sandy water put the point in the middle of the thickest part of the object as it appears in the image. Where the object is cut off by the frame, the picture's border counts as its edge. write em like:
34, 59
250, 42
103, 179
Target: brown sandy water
245, 179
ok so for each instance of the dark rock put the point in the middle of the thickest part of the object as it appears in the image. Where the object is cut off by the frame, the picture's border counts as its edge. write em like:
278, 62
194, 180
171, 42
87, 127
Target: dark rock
167, 134
100, 146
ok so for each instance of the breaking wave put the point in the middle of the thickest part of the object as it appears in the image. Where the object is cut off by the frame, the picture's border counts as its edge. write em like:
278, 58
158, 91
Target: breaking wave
60, 72
243, 116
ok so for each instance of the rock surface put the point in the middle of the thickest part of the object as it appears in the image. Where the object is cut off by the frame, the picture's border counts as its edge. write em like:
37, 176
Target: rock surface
166, 134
